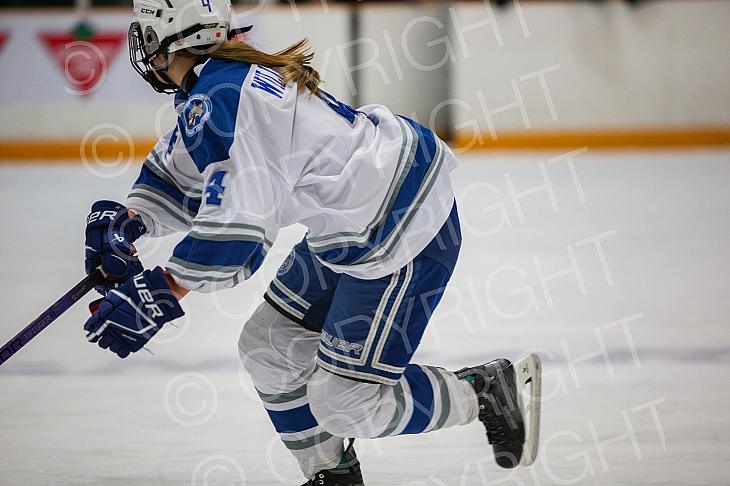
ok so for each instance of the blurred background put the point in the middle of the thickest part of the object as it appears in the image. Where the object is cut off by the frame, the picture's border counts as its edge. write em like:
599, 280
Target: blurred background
493, 75
593, 193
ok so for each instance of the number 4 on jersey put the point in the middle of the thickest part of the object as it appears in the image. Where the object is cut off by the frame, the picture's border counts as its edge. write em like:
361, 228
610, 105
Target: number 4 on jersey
214, 190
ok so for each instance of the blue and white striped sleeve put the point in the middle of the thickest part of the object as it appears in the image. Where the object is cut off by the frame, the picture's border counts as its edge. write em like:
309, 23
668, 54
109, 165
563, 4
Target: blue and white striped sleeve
238, 218
216, 256
165, 204
231, 233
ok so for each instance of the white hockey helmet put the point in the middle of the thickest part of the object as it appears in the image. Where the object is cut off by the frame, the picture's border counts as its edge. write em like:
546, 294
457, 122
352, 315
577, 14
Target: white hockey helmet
162, 27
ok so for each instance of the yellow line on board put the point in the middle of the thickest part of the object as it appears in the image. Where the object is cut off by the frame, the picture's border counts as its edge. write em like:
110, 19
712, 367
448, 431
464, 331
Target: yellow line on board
599, 139
69, 151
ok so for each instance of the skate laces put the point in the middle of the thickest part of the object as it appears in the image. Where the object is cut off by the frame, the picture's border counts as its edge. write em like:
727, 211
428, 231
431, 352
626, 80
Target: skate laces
489, 407
496, 432
489, 413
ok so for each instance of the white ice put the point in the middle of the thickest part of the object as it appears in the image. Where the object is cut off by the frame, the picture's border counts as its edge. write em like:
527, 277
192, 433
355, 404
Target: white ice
635, 338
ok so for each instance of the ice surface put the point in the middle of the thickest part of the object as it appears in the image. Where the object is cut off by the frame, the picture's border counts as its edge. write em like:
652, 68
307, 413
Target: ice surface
654, 296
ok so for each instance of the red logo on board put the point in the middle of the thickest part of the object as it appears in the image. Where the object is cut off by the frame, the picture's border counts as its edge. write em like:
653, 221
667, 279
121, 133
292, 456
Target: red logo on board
3, 37
84, 56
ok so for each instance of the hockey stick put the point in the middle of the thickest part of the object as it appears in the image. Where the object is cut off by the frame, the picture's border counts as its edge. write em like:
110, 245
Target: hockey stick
49, 315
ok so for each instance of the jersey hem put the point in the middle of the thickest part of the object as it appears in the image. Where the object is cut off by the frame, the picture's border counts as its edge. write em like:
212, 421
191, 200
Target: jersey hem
387, 268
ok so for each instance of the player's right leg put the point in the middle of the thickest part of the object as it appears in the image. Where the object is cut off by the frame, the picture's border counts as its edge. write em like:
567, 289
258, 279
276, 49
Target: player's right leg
277, 348
278, 356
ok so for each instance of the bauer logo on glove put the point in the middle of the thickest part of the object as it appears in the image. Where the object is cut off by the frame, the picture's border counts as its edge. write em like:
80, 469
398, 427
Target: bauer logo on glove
130, 315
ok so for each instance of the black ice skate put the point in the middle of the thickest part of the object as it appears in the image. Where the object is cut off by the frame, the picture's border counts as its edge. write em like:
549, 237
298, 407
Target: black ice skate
346, 474
509, 407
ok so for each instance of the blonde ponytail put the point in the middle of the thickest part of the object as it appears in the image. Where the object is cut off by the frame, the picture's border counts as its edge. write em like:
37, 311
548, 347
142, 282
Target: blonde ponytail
294, 62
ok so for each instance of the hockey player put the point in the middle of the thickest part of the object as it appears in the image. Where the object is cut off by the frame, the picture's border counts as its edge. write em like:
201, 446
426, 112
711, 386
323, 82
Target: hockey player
258, 146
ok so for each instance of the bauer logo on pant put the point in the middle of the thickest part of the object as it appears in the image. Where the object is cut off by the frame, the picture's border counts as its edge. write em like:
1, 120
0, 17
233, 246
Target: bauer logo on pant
341, 344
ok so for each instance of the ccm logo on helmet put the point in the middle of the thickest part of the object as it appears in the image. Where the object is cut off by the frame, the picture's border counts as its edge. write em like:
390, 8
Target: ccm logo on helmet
146, 296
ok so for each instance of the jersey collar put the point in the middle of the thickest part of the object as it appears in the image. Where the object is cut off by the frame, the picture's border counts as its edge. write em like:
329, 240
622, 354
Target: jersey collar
191, 77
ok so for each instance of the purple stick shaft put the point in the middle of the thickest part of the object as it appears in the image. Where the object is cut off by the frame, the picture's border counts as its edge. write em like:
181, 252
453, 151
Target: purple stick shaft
51, 314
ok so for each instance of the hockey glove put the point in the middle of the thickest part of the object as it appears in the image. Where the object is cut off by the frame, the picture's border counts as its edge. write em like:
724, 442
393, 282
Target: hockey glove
110, 233
130, 315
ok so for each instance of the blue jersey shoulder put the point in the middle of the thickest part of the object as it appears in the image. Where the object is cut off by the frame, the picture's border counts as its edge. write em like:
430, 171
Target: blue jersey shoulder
208, 118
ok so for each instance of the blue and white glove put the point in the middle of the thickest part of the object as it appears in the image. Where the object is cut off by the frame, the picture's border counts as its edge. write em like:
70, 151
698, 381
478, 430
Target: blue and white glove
110, 233
130, 315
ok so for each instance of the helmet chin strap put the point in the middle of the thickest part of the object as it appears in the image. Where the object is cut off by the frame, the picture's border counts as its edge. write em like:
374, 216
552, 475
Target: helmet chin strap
159, 77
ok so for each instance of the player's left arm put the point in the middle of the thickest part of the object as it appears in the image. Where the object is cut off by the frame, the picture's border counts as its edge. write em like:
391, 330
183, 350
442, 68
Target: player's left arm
233, 228
228, 242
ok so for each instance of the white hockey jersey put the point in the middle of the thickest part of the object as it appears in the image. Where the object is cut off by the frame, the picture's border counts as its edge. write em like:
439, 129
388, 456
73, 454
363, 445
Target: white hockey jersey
250, 155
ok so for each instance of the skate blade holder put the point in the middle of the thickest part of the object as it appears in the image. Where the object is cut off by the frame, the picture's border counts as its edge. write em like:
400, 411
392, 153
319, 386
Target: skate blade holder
528, 374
